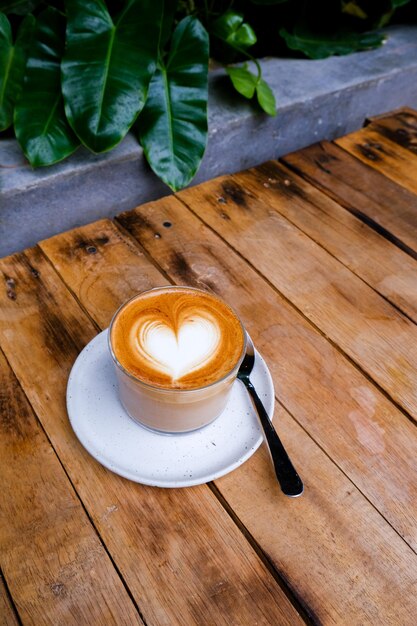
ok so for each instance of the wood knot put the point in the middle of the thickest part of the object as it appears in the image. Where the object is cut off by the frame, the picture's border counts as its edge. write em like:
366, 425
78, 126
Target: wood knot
58, 589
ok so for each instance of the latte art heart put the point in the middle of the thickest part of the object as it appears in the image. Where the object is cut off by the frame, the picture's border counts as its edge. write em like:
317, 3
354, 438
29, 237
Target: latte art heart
180, 353
177, 338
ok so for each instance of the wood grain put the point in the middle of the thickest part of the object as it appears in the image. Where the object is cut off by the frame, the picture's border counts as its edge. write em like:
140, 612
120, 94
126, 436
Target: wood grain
355, 425
7, 613
366, 327
399, 126
385, 206
385, 156
58, 571
102, 267
170, 546
380, 263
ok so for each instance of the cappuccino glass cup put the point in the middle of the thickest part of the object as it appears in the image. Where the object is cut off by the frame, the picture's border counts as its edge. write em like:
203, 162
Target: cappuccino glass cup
189, 319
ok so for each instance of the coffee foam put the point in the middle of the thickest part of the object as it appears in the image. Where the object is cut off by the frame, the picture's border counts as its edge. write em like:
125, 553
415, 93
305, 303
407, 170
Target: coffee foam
177, 338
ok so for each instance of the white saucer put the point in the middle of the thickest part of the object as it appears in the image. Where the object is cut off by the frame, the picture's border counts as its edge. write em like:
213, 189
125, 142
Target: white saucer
123, 446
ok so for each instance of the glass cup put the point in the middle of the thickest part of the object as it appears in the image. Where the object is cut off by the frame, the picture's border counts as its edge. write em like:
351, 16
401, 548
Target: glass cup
170, 410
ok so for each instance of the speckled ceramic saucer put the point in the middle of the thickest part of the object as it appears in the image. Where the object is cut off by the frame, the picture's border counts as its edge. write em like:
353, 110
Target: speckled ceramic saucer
126, 448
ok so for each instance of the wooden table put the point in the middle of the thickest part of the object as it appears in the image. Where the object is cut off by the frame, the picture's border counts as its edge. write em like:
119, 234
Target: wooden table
318, 253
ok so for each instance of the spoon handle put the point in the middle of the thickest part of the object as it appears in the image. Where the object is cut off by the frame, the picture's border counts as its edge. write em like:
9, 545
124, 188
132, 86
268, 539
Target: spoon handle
290, 482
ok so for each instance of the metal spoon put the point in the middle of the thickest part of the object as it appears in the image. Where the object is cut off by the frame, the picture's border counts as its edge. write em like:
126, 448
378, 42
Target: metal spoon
290, 482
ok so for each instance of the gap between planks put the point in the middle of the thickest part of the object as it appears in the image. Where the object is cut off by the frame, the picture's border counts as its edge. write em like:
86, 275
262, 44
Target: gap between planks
296, 173
365, 192
305, 611
8, 611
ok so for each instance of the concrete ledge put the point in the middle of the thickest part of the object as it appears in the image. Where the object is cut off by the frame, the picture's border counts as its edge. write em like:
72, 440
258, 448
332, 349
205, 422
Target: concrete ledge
316, 100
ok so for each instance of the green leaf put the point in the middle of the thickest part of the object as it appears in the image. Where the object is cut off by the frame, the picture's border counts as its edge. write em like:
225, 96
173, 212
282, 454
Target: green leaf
231, 28
243, 81
173, 123
247, 84
40, 124
318, 46
266, 97
12, 65
107, 67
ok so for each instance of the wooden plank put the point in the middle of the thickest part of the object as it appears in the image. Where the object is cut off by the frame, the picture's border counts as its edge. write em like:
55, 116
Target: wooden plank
380, 263
170, 546
399, 126
351, 421
366, 327
8, 616
57, 569
385, 156
388, 208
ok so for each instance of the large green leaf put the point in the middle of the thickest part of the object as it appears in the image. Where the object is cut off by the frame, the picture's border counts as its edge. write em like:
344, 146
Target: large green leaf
173, 123
318, 46
12, 65
107, 67
40, 124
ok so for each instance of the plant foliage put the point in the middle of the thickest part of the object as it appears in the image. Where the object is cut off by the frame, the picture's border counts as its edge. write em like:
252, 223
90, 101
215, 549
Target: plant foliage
39, 120
173, 124
84, 72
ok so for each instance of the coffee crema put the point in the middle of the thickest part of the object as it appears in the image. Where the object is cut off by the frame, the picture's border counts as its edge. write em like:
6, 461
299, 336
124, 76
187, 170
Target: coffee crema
177, 338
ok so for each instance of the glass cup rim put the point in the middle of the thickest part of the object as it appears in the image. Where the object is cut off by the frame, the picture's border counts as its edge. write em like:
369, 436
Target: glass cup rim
167, 389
